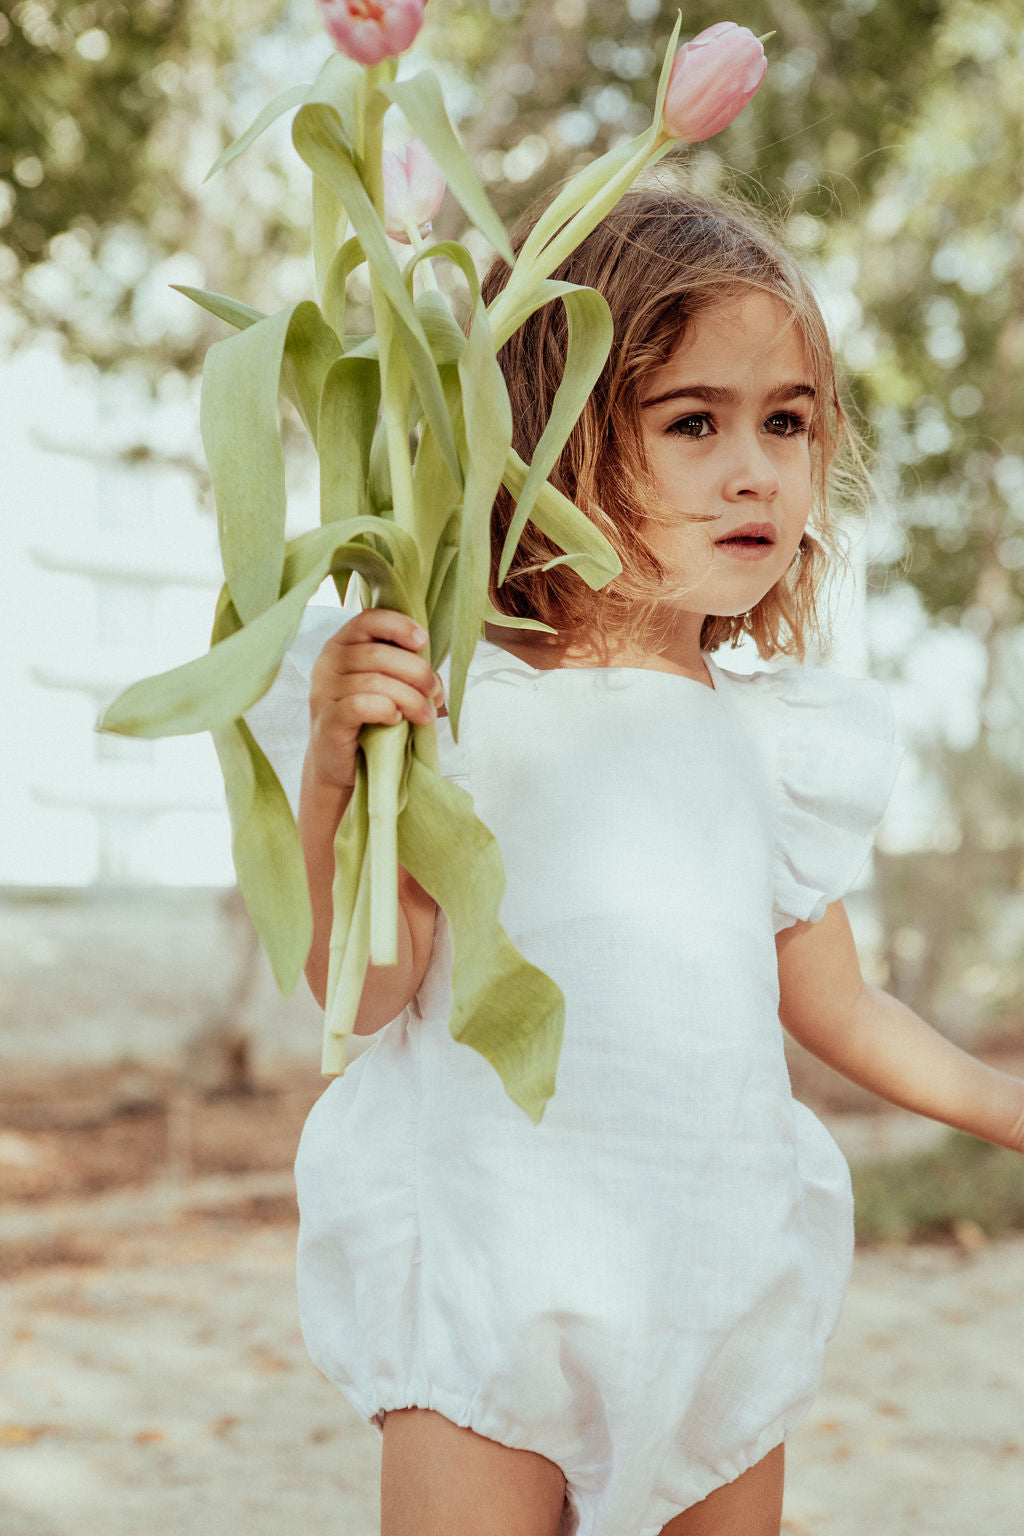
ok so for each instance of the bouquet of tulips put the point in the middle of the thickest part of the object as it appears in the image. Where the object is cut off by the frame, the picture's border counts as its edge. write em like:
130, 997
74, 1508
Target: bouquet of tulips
412, 426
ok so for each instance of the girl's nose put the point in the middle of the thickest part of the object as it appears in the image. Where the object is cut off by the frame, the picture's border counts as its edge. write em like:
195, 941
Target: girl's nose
751, 473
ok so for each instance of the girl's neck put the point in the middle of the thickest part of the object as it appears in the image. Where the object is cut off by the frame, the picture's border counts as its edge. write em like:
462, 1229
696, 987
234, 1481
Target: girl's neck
682, 655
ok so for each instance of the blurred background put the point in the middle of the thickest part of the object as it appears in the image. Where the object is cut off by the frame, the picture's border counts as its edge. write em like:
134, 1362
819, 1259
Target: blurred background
887, 140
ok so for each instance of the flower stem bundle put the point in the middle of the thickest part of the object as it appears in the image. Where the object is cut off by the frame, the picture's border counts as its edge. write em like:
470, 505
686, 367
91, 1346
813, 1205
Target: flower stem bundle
412, 427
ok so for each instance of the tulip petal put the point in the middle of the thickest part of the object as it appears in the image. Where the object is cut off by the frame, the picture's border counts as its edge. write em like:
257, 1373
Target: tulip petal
425, 181
423, 105
397, 202
371, 38
713, 78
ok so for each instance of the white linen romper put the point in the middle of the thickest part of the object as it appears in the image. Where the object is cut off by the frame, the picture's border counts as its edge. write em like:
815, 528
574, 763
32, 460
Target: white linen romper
640, 1287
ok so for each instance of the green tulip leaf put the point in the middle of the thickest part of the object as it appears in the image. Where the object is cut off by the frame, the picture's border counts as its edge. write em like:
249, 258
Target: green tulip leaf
565, 525
214, 689
444, 334
513, 621
292, 97
240, 315
441, 603
508, 1010
349, 946
317, 135
436, 492
666, 74
589, 341
487, 416
311, 346
267, 853
329, 222
421, 100
340, 86
332, 297
578, 190
349, 403
242, 378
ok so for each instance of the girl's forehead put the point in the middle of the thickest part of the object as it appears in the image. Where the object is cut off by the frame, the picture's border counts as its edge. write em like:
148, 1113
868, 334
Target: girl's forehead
749, 334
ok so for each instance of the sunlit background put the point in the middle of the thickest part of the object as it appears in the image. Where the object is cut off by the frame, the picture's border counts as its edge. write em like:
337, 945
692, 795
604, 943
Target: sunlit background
888, 141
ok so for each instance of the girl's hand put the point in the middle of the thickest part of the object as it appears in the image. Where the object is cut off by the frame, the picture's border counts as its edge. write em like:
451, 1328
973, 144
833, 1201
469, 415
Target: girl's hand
368, 673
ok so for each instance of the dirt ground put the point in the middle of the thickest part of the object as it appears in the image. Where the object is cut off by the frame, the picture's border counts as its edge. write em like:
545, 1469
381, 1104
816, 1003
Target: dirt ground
155, 1379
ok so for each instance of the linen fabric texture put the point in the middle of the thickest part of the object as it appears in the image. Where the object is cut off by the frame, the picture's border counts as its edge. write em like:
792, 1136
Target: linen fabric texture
641, 1287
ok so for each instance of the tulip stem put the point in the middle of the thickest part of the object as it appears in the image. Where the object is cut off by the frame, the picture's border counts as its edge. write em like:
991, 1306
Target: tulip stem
418, 244
525, 279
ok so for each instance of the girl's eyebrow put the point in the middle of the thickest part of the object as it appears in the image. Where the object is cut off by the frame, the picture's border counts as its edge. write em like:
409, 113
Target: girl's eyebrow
719, 394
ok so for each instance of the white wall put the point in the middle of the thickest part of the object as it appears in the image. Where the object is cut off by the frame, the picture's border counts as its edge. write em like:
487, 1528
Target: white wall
112, 572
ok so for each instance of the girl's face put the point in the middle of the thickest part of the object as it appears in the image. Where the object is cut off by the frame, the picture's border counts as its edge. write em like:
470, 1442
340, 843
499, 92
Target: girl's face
725, 426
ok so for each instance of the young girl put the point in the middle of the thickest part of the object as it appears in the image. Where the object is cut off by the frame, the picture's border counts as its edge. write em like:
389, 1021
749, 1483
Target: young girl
608, 1323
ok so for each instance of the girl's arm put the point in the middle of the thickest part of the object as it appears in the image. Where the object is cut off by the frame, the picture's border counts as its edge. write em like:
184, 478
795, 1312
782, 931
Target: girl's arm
387, 989
876, 1041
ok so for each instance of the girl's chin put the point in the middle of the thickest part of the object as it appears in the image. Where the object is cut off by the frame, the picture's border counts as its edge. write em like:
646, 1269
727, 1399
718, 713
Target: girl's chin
737, 607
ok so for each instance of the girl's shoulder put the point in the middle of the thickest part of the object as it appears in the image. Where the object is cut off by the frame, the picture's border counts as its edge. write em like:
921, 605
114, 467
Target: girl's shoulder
814, 701
833, 744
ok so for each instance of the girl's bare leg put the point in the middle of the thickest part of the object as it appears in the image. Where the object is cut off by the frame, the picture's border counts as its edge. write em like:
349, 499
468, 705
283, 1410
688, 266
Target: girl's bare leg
439, 1479
750, 1506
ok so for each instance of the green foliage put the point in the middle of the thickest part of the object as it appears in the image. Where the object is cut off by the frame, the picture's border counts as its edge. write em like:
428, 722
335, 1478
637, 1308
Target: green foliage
103, 110
929, 1195
417, 376
73, 134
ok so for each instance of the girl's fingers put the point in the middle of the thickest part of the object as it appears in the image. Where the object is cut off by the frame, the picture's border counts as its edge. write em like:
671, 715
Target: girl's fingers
377, 640
383, 624
391, 661
409, 701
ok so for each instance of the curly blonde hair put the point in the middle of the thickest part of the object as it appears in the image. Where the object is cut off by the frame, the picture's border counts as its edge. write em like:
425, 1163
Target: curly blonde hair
662, 257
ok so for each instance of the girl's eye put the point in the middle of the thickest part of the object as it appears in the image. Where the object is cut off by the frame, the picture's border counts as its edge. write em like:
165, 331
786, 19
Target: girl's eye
692, 426
786, 424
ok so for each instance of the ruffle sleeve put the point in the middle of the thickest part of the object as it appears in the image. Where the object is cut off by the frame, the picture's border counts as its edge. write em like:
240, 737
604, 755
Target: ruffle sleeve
837, 761
280, 719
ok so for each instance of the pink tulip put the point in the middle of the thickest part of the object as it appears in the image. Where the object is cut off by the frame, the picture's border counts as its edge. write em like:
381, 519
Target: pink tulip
713, 77
413, 188
372, 30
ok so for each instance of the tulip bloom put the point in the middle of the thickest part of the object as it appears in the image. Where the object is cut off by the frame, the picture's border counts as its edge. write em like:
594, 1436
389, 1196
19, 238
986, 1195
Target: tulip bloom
413, 188
372, 30
713, 77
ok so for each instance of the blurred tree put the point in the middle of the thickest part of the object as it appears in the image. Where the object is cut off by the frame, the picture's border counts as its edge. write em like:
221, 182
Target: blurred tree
110, 116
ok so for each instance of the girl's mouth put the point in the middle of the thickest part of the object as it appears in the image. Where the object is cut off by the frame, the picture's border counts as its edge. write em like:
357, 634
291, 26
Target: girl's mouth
746, 546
